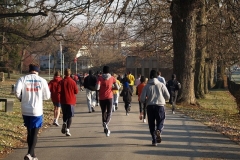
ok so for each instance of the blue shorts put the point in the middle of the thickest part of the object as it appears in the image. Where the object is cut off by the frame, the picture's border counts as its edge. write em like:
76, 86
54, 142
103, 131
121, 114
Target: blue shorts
57, 104
33, 121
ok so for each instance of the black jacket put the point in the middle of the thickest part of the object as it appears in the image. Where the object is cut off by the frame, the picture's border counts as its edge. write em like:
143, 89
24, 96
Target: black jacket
90, 82
126, 94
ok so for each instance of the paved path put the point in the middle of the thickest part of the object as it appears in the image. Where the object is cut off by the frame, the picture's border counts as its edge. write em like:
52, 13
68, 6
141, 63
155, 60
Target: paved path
183, 139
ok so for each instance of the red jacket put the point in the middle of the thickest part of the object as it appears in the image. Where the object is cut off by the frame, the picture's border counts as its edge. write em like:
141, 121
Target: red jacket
67, 90
53, 87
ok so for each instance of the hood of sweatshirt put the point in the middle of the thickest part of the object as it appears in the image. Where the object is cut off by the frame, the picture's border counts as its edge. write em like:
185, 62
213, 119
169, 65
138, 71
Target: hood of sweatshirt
153, 81
57, 78
106, 76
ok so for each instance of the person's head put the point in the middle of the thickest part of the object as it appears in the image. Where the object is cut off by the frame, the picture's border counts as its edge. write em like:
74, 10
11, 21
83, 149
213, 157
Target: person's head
67, 72
146, 80
153, 74
159, 73
174, 76
57, 73
142, 79
34, 68
129, 72
139, 75
105, 69
90, 72
115, 75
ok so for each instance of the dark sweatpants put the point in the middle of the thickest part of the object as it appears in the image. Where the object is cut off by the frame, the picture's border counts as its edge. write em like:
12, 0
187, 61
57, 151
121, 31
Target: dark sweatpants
155, 113
106, 107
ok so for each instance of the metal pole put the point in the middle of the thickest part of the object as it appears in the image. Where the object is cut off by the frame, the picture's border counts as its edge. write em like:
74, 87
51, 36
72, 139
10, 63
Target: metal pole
63, 64
76, 66
61, 57
49, 67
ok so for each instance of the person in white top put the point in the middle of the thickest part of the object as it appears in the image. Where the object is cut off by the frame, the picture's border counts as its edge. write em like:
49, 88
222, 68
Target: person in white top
137, 81
160, 78
31, 90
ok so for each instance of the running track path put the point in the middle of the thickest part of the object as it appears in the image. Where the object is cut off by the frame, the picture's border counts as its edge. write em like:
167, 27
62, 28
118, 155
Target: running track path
183, 139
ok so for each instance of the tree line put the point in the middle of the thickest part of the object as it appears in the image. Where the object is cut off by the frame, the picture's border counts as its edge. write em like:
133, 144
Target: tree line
198, 37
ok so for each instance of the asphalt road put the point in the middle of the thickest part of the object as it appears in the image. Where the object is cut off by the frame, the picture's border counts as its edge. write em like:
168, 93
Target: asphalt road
183, 139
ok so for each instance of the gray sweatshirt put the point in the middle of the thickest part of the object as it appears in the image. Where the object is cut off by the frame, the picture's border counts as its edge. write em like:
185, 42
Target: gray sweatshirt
155, 93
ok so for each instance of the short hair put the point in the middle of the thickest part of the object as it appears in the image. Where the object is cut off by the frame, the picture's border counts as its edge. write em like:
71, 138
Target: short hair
153, 74
57, 73
142, 79
159, 73
67, 72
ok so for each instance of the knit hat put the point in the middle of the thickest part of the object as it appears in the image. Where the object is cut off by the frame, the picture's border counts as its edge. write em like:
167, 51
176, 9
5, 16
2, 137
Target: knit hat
153, 74
105, 69
33, 67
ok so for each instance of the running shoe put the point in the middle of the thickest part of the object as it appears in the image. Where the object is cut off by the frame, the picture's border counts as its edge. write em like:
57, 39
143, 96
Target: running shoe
28, 157
158, 136
64, 126
108, 133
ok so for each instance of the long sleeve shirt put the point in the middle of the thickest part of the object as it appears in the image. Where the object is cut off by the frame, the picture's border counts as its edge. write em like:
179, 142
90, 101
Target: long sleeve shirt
32, 90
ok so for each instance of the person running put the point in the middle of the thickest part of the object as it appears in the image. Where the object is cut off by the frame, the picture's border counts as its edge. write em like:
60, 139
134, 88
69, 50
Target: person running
131, 79
173, 87
31, 90
154, 94
127, 97
142, 106
116, 94
137, 81
105, 84
68, 90
55, 96
160, 78
89, 84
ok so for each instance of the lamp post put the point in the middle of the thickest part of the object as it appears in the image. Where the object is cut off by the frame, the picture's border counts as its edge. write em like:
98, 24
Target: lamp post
61, 57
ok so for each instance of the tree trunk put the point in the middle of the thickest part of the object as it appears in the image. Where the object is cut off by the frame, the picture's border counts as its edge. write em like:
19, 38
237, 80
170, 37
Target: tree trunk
184, 45
200, 51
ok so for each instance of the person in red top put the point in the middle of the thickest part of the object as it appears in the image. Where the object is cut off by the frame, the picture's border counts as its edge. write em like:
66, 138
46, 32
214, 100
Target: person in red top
67, 89
142, 106
105, 84
55, 96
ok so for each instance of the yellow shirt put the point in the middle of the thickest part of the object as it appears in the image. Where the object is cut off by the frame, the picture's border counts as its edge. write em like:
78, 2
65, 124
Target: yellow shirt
131, 78
115, 91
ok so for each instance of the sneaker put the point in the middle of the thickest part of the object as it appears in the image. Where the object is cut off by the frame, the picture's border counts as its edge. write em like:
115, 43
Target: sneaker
127, 113
108, 133
34, 158
93, 110
158, 136
68, 133
97, 104
173, 112
141, 117
113, 109
28, 157
116, 108
89, 111
154, 144
56, 123
64, 126
144, 121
